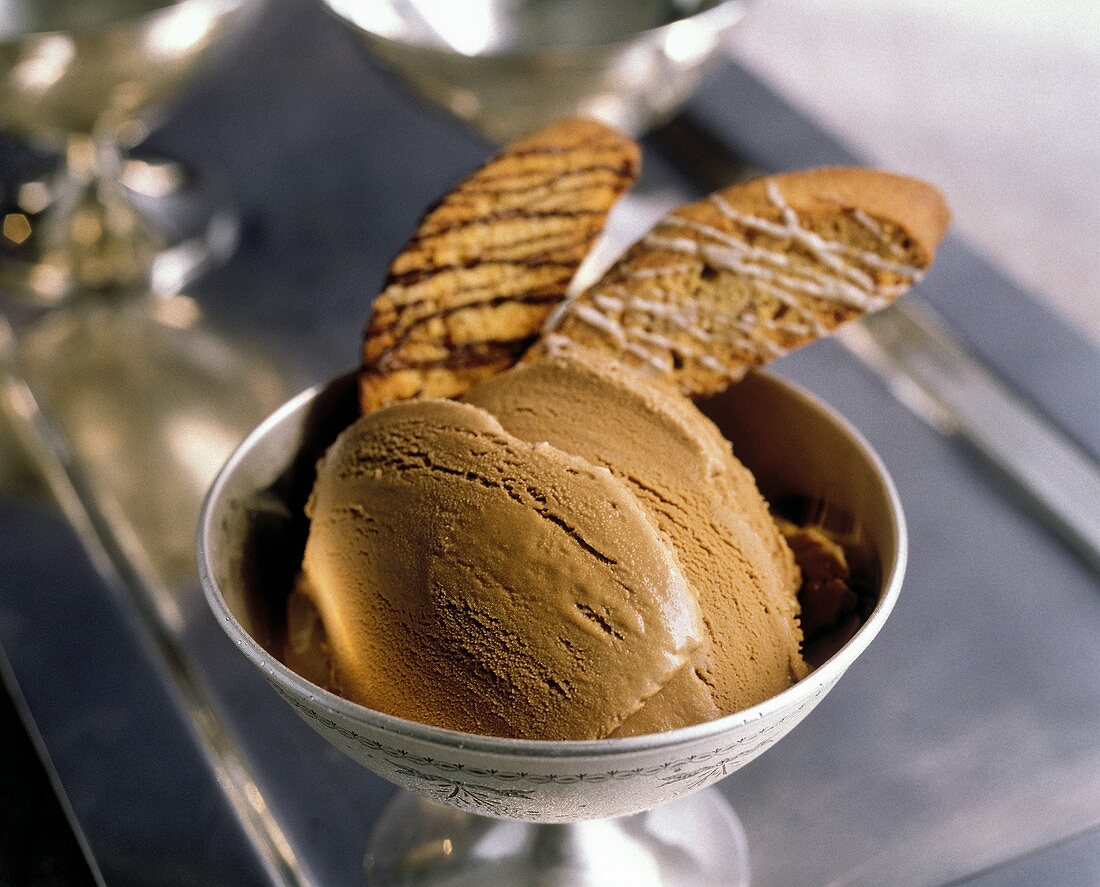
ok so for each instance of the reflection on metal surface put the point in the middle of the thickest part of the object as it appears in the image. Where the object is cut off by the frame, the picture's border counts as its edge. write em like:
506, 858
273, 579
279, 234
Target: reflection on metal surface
87, 79
179, 311
18, 476
43, 65
153, 179
150, 413
127, 428
9, 684
16, 227
628, 63
33, 197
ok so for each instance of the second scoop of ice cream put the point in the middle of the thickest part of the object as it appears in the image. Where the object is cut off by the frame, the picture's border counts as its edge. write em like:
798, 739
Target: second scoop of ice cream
573, 553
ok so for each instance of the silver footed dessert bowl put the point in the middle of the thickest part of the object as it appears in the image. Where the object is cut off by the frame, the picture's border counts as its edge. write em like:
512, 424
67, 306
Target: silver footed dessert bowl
512, 567
252, 527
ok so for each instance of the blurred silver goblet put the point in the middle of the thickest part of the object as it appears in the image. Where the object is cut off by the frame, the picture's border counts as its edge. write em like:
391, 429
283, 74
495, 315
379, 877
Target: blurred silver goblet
488, 810
509, 66
87, 78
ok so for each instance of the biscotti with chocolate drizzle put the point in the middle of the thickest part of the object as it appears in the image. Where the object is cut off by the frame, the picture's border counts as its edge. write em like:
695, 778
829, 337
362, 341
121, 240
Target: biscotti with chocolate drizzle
469, 293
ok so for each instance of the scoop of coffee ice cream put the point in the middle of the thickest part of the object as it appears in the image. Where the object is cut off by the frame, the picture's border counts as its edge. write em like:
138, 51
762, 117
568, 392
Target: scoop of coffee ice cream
572, 553
473, 580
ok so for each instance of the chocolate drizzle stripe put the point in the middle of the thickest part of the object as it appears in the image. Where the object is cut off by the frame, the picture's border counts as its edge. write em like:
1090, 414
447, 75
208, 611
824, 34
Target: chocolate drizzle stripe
469, 280
534, 295
574, 240
623, 172
547, 296
572, 245
468, 355
591, 145
502, 216
387, 315
483, 297
419, 275
598, 189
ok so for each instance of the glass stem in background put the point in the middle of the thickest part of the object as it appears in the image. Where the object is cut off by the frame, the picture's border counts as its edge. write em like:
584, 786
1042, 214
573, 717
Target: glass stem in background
92, 234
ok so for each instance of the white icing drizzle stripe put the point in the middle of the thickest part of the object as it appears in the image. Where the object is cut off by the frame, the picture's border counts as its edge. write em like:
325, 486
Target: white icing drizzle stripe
655, 339
686, 320
627, 338
875, 228
619, 335
867, 222
724, 238
607, 303
645, 273
648, 356
601, 322
899, 268
712, 363
709, 361
728, 252
825, 251
685, 317
686, 245
800, 311
556, 343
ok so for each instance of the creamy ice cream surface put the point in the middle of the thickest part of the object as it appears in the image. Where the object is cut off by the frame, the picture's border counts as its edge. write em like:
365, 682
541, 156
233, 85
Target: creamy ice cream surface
573, 552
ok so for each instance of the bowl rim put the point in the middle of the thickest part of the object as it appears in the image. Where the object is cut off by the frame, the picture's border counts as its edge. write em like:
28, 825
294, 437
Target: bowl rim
725, 14
893, 573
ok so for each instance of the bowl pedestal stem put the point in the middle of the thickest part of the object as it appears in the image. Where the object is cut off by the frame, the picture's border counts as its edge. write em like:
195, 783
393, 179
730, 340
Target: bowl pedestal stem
696, 840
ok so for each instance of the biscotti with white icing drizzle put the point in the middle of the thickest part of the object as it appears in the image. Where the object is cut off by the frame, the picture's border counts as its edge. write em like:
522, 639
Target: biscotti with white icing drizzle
468, 294
745, 275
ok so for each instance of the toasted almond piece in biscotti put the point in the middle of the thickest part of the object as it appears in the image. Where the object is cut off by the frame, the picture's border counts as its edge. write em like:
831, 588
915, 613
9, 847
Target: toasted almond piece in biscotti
468, 294
750, 272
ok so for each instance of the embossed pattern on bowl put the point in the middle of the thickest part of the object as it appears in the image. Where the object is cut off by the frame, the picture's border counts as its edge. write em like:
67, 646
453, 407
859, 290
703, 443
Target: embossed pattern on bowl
792, 442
